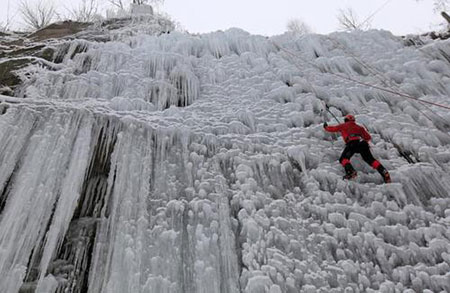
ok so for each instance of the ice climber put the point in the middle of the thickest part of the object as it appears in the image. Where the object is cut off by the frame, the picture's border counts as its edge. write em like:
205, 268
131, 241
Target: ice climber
356, 140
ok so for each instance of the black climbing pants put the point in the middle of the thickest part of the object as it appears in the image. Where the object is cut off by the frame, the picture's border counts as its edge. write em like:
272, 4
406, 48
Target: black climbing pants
360, 147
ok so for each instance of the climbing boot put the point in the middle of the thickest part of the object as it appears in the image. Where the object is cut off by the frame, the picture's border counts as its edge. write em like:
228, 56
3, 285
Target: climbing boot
350, 173
386, 177
385, 174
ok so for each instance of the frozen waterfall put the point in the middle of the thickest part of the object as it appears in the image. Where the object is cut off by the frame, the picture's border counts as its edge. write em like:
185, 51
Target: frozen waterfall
197, 163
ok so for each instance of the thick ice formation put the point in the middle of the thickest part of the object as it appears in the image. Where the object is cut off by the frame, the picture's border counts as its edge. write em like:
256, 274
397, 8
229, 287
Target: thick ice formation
198, 163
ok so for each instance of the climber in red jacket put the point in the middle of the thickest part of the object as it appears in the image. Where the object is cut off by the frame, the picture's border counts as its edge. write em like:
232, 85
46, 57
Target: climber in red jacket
357, 140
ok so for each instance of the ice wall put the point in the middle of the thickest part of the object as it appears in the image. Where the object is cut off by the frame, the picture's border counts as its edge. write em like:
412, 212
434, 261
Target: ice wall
198, 163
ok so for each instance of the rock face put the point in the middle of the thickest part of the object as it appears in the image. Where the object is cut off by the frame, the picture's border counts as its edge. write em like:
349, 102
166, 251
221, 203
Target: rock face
58, 30
8, 78
19, 51
141, 161
49, 45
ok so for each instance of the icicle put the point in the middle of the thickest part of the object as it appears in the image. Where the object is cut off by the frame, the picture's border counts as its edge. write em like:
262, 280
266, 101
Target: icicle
68, 198
299, 156
15, 128
47, 285
187, 85
131, 156
35, 184
177, 162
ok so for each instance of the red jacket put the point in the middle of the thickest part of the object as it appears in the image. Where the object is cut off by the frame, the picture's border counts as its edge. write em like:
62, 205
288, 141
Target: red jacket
350, 131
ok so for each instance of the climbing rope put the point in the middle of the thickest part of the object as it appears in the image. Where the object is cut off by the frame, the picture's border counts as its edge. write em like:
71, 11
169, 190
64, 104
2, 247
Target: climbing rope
376, 12
361, 82
385, 80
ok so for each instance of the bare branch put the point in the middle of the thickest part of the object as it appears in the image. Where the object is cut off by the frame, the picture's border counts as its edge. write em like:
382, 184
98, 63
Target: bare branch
37, 16
441, 6
348, 20
298, 26
6, 26
117, 3
85, 12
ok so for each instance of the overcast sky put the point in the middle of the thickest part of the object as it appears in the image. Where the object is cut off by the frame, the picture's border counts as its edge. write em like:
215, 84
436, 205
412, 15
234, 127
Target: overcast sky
269, 17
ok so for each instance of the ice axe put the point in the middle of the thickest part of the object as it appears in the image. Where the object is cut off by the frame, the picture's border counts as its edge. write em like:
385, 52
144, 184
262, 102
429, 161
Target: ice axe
328, 110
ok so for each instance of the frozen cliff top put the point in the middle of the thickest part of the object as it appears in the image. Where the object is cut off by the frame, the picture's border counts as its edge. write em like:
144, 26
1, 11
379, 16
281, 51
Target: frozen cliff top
169, 162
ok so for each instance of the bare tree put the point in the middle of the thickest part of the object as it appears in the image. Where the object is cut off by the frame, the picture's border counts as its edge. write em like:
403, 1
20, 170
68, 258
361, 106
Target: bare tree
85, 12
441, 6
5, 26
118, 3
38, 15
298, 26
348, 20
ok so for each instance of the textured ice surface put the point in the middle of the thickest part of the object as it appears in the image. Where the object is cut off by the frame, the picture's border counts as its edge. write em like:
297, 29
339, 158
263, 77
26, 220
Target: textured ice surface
198, 163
